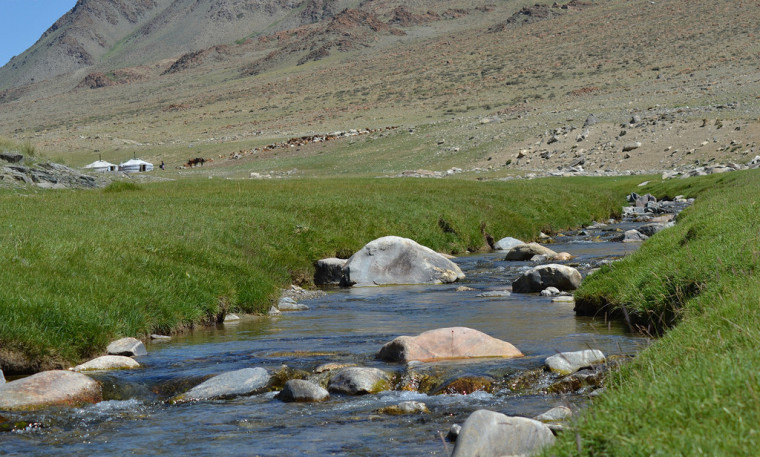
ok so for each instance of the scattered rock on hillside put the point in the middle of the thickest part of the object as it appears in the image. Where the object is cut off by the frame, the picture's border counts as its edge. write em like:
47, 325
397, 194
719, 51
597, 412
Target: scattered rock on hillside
446, 343
490, 434
359, 381
108, 362
396, 260
539, 278
299, 390
566, 363
231, 384
49, 388
129, 347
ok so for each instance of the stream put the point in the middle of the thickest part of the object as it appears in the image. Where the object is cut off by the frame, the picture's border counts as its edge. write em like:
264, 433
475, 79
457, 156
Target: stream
346, 326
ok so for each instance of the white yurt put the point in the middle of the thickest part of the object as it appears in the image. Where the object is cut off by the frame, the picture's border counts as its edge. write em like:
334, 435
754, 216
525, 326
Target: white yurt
102, 166
135, 166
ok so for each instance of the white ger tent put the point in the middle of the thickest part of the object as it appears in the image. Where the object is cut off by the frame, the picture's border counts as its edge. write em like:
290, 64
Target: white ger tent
135, 165
102, 166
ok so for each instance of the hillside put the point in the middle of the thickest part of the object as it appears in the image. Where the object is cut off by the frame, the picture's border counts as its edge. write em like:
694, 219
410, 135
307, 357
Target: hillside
502, 88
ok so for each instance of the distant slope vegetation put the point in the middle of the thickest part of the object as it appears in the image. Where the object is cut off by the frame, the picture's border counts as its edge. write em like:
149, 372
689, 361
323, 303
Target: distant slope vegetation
120, 33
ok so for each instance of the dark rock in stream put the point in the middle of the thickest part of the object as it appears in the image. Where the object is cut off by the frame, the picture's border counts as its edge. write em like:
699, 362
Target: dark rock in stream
328, 271
359, 381
226, 385
490, 434
465, 385
298, 390
539, 278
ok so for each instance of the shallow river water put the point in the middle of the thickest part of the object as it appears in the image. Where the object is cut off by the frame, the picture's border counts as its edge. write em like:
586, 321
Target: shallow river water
348, 325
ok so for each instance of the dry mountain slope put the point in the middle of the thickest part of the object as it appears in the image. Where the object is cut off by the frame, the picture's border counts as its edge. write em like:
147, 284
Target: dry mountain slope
101, 35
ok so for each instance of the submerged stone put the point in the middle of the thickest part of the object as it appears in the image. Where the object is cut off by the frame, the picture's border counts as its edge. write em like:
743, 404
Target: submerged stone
49, 388
231, 384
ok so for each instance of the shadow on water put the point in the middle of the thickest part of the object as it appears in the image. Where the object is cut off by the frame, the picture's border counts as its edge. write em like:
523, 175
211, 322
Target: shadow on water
346, 326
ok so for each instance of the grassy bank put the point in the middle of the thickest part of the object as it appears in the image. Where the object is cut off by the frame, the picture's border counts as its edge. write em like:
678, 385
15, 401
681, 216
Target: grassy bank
83, 267
696, 391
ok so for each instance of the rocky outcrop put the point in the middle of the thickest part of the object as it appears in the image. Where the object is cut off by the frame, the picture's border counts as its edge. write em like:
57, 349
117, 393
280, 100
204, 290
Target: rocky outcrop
299, 390
226, 385
446, 343
566, 363
44, 175
359, 381
108, 362
527, 251
490, 434
328, 271
396, 260
128, 347
553, 275
49, 388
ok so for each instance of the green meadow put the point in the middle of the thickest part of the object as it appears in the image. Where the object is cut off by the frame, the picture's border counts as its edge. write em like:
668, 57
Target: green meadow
83, 267
696, 390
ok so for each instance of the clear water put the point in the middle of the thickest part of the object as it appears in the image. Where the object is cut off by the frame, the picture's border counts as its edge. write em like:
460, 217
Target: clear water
346, 326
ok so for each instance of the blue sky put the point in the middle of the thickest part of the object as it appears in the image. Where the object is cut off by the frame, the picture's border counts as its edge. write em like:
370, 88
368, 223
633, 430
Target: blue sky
22, 23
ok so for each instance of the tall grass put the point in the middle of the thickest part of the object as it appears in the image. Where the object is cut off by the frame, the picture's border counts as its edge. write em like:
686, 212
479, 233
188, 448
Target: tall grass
696, 391
82, 267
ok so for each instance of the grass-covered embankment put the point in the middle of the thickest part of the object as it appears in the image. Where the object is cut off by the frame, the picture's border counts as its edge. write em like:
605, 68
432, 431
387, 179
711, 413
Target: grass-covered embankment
83, 267
695, 391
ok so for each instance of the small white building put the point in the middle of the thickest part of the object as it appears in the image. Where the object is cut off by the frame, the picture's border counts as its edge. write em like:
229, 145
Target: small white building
102, 166
135, 166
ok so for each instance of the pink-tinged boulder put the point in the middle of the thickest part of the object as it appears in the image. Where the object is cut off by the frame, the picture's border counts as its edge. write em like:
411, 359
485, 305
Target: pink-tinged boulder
396, 260
446, 343
49, 388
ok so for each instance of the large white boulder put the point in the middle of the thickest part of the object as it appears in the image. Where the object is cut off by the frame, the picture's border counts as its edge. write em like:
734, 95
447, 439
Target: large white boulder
505, 244
446, 343
543, 276
396, 260
490, 434
49, 388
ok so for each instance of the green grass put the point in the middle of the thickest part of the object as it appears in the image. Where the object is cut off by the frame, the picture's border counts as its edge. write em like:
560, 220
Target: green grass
696, 391
81, 268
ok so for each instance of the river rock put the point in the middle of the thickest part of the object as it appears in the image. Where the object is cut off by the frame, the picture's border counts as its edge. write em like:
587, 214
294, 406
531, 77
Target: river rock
49, 388
289, 304
527, 251
405, 407
128, 347
465, 385
446, 343
328, 271
550, 292
454, 432
566, 363
562, 257
631, 236
359, 381
2, 377
559, 413
505, 244
108, 362
231, 384
299, 390
651, 229
553, 275
395, 260
490, 434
